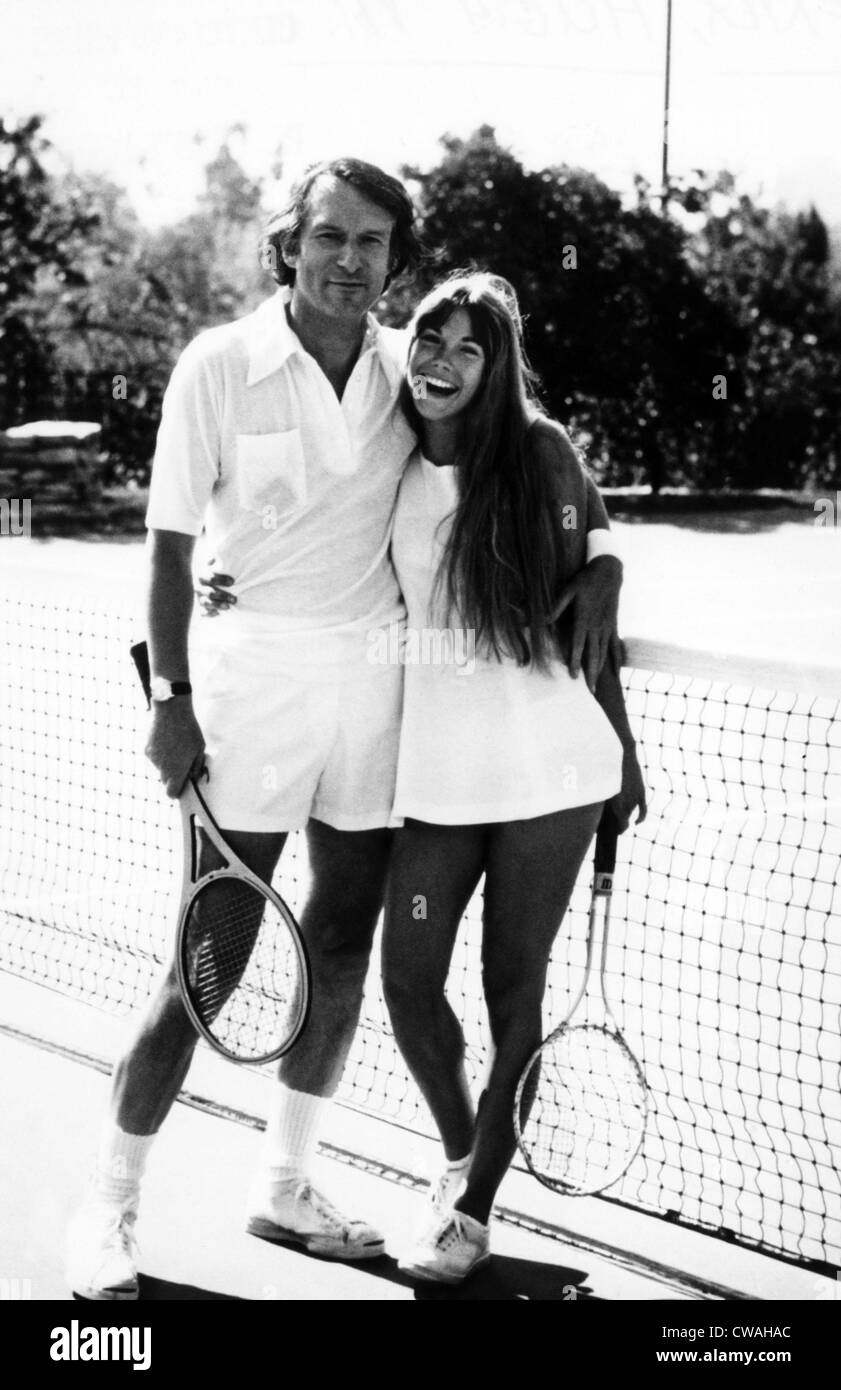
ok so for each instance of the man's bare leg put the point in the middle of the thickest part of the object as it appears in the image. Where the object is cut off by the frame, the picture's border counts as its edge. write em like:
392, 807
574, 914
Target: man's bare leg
348, 881
338, 923
147, 1079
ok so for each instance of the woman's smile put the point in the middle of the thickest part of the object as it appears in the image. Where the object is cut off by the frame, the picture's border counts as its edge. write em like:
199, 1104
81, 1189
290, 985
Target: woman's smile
435, 384
446, 367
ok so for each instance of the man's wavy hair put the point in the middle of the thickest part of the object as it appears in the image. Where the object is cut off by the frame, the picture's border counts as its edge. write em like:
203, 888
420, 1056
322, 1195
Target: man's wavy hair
504, 562
283, 230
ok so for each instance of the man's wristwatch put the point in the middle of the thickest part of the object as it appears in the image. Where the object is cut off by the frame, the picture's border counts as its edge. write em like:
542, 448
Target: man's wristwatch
163, 690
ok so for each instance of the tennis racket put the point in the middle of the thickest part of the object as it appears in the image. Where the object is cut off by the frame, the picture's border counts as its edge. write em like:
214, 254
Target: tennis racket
582, 1103
242, 966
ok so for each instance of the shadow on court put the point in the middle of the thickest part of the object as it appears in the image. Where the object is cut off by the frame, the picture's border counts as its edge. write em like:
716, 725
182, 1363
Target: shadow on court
165, 1291
505, 1278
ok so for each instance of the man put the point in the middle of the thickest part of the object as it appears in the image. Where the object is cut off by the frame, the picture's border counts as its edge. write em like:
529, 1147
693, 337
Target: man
281, 432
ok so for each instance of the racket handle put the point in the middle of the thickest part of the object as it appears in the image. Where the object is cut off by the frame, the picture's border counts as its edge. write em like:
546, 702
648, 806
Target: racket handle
140, 657
607, 838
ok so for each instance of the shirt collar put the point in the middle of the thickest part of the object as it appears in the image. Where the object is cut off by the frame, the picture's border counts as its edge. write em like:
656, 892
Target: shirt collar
272, 340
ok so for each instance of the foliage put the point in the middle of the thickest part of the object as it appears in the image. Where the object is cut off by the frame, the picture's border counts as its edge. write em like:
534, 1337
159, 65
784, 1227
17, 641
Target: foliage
108, 305
770, 273
633, 306
632, 312
36, 234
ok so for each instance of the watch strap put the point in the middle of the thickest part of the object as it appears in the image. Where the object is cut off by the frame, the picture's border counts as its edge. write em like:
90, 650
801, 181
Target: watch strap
140, 656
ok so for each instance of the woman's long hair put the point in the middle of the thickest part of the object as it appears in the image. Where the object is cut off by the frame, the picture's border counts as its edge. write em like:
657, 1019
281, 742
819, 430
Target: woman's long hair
502, 569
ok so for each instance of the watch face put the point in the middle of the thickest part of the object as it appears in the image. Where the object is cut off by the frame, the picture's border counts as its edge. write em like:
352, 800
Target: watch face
161, 689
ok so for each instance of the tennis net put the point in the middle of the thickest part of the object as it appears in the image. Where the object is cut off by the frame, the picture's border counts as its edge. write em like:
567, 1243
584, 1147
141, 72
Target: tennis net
724, 960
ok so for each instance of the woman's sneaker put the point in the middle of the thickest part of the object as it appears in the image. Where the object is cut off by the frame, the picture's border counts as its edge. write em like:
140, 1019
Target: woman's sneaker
102, 1252
294, 1211
451, 1250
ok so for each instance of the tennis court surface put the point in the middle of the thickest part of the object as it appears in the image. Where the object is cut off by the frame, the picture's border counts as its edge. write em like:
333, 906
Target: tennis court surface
723, 966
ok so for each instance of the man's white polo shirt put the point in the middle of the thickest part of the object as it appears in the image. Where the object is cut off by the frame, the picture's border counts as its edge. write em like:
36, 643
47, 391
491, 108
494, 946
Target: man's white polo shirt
296, 488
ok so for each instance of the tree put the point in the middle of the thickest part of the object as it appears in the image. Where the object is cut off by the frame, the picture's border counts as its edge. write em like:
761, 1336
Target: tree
113, 333
612, 309
632, 310
769, 272
633, 313
209, 261
35, 234
107, 313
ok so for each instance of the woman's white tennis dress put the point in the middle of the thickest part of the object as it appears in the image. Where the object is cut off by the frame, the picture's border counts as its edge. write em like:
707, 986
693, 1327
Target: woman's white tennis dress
482, 740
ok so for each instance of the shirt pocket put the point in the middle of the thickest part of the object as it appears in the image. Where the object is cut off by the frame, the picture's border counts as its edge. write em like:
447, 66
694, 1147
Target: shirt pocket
271, 471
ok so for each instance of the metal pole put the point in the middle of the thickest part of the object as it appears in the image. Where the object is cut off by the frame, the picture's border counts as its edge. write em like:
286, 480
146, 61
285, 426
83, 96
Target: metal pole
665, 170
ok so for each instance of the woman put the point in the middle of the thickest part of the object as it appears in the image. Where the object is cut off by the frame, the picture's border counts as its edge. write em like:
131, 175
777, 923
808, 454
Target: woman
505, 764
505, 761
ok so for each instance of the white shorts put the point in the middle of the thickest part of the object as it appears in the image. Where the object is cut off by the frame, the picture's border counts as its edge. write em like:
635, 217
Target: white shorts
289, 738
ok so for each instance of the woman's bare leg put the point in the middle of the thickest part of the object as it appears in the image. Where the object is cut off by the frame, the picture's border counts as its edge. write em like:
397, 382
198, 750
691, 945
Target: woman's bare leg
433, 874
531, 869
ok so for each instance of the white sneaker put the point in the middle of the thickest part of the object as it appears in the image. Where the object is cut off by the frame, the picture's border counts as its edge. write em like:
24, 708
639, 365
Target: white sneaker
102, 1252
292, 1210
450, 1251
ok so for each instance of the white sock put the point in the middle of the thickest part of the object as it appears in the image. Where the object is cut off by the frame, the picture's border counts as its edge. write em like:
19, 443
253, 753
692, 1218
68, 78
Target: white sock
292, 1128
459, 1164
120, 1163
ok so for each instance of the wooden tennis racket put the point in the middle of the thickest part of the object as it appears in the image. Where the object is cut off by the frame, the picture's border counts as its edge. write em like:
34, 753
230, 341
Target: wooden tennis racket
581, 1107
241, 962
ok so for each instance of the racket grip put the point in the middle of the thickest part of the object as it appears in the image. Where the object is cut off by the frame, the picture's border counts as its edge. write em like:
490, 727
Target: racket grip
607, 838
140, 657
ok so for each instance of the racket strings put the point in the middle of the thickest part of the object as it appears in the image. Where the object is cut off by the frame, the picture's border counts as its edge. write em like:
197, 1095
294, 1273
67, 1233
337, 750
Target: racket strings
583, 1110
242, 968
